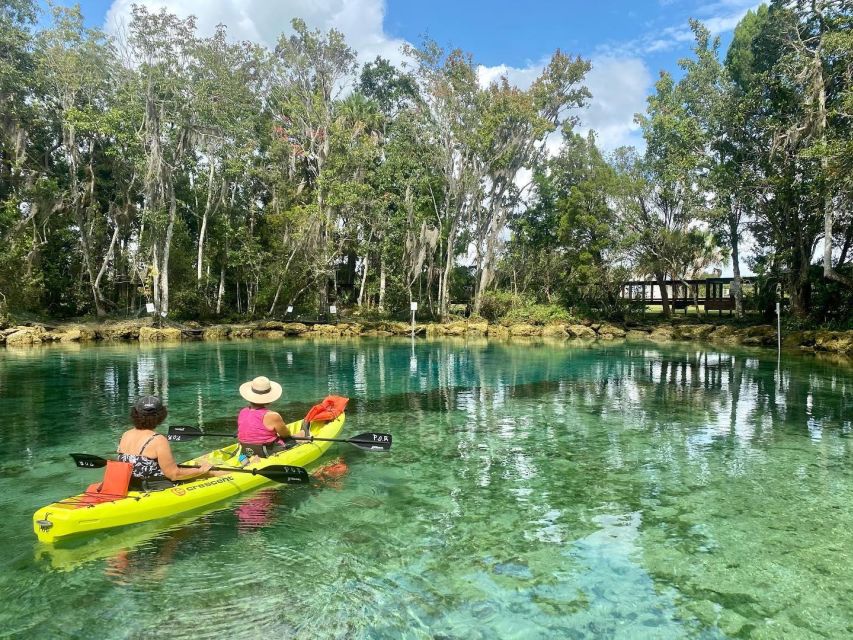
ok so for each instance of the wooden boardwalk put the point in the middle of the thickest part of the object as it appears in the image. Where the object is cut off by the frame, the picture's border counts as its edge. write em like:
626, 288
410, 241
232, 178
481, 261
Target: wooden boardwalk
712, 294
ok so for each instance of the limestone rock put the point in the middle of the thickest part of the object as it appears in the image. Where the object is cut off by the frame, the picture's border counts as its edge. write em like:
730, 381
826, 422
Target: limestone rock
478, 327
294, 328
555, 331
662, 333
799, 340
272, 325
352, 329
25, 336
724, 334
524, 330
456, 328
762, 335
218, 332
634, 334
269, 334
609, 332
694, 331
242, 331
498, 331
834, 341
165, 334
127, 330
580, 331
326, 330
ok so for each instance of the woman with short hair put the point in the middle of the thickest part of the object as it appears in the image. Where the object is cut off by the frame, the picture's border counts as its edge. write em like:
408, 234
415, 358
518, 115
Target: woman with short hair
149, 453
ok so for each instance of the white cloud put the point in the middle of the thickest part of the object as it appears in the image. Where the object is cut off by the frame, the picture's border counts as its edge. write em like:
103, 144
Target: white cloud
619, 87
521, 77
262, 21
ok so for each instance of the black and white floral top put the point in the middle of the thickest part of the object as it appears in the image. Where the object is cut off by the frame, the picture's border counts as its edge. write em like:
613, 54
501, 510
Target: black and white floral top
143, 466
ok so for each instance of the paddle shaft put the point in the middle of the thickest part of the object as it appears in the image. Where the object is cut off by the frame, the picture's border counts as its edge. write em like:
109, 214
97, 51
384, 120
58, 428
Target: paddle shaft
379, 440
278, 473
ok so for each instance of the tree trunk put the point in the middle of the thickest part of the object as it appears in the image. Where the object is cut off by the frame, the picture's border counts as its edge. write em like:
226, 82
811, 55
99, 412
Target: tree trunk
828, 271
444, 291
664, 295
737, 287
107, 256
363, 284
167, 246
221, 292
203, 230
800, 289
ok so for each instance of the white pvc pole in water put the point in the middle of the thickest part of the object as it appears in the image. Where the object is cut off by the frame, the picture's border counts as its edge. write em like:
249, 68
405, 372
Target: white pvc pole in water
779, 326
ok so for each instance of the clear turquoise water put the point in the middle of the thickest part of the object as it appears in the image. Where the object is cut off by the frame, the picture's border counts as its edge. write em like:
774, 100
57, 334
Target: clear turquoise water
533, 491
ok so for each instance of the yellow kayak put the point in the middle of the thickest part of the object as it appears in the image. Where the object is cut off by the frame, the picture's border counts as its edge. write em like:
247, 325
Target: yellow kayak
65, 518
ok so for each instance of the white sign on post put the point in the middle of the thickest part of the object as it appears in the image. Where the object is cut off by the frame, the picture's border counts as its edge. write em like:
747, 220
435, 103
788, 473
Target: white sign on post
333, 309
290, 309
414, 306
149, 307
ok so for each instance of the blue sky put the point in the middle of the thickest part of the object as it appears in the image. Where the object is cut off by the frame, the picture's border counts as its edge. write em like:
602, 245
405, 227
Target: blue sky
628, 42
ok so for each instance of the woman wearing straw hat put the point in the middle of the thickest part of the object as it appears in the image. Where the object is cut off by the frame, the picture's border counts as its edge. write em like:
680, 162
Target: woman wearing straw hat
259, 430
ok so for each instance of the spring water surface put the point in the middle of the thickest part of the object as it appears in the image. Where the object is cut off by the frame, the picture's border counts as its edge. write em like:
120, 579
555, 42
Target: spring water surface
533, 491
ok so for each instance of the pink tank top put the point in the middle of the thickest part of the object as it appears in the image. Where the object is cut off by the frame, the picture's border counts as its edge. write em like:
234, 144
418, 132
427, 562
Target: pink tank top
251, 429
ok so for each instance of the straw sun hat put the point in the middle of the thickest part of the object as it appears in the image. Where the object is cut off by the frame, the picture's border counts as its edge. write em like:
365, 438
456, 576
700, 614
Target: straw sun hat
261, 390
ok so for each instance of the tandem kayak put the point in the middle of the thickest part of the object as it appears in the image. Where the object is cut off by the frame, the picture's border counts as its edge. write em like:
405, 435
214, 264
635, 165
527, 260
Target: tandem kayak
73, 516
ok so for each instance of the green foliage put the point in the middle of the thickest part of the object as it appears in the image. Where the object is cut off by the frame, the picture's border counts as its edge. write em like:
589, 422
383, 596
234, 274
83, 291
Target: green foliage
509, 308
221, 179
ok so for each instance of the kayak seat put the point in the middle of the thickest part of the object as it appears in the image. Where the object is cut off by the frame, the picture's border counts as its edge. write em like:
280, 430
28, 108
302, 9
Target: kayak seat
114, 486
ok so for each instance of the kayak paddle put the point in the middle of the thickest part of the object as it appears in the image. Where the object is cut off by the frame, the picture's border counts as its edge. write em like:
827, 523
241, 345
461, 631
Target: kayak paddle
367, 441
277, 472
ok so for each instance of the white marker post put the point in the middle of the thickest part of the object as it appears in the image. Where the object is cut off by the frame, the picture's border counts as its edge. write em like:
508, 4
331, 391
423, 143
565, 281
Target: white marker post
779, 326
289, 309
149, 307
333, 310
414, 307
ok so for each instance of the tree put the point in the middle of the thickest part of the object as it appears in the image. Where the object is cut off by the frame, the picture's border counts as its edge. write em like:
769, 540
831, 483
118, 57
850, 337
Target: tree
164, 46
661, 200
75, 65
313, 68
510, 136
448, 84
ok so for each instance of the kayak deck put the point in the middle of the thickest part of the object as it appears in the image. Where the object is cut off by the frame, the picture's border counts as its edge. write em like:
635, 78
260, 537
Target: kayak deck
72, 517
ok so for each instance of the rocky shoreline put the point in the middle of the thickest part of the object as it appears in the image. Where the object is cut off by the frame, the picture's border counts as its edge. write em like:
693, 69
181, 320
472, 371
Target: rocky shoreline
838, 342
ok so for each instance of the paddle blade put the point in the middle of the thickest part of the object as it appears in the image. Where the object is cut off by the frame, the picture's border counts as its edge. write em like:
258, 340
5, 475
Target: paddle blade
88, 461
182, 433
372, 441
283, 473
